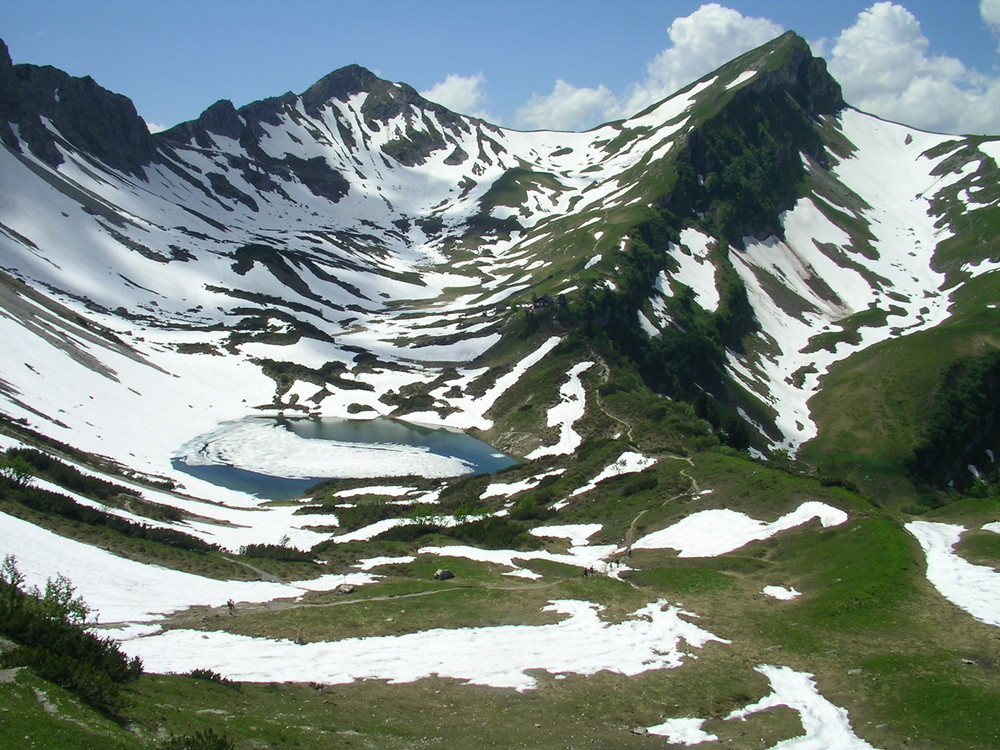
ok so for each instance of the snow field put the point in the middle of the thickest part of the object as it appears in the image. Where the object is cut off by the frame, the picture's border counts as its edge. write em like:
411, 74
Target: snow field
973, 588
709, 533
501, 656
570, 409
826, 725
122, 591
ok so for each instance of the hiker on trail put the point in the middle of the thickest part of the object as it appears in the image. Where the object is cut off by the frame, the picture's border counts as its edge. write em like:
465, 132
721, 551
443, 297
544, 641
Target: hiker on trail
232, 607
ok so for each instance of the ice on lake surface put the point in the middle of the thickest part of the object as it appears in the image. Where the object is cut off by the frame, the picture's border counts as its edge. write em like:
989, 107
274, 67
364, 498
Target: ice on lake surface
280, 458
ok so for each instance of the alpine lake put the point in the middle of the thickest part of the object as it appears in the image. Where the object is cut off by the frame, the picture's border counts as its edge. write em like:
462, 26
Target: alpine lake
475, 456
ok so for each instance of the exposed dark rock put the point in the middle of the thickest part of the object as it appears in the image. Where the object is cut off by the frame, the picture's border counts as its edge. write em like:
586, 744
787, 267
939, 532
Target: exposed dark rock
267, 111
88, 118
318, 176
341, 85
803, 76
742, 165
221, 118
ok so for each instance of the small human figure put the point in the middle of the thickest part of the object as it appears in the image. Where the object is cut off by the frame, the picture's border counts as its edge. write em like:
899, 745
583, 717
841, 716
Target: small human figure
232, 607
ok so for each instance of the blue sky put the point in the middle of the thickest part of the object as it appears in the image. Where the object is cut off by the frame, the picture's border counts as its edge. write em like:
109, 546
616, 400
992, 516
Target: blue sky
522, 63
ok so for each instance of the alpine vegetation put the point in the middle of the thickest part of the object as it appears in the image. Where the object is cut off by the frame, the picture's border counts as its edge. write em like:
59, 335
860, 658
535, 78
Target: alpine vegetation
679, 430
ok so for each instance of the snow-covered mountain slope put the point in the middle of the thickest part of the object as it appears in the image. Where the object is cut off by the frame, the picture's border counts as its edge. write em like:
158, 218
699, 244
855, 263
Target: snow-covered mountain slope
330, 252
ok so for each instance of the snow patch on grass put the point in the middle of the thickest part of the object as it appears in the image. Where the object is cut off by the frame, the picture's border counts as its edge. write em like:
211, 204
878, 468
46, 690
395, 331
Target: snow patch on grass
709, 533
501, 489
826, 726
578, 534
974, 588
628, 462
581, 643
696, 269
570, 409
780, 592
683, 731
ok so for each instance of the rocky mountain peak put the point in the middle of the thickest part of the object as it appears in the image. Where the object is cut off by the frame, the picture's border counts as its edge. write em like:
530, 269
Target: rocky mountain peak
89, 118
741, 164
341, 85
221, 118
801, 74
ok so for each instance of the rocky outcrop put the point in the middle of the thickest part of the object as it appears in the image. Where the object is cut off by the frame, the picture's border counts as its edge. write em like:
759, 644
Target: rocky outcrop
743, 164
83, 116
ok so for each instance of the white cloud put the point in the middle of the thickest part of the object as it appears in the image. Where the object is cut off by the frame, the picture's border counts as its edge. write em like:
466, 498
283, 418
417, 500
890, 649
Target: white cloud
883, 65
465, 94
153, 127
566, 108
701, 42
881, 61
990, 12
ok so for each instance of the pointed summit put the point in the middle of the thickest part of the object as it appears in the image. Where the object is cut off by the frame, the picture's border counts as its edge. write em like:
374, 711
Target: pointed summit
221, 119
788, 63
741, 165
341, 84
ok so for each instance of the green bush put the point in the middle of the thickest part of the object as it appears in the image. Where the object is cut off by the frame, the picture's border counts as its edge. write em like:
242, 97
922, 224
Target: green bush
351, 519
51, 468
489, 533
275, 552
209, 675
532, 507
19, 490
206, 739
49, 630
963, 424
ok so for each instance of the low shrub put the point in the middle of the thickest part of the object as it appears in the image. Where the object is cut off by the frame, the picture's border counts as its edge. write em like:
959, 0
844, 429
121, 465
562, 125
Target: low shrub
50, 632
206, 739
275, 552
488, 533
209, 675
64, 475
13, 489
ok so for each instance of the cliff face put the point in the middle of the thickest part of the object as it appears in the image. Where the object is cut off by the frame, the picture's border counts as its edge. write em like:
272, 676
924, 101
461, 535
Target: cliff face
743, 165
89, 118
